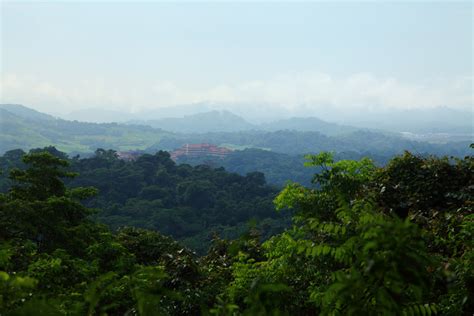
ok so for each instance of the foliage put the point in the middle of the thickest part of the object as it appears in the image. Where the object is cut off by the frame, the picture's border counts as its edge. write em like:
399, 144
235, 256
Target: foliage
349, 253
277, 167
187, 203
395, 240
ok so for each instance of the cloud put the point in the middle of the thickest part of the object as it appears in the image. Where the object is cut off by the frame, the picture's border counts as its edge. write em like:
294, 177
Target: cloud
291, 91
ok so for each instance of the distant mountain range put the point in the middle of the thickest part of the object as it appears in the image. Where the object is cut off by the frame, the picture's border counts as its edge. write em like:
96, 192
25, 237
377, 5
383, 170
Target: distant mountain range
207, 121
225, 121
22, 127
429, 124
24, 112
25, 128
214, 121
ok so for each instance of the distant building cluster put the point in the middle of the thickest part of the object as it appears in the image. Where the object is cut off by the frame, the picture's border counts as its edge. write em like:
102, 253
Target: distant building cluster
200, 150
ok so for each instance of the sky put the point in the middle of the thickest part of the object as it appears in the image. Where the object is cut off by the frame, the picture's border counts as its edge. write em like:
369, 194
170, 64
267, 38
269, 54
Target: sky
60, 57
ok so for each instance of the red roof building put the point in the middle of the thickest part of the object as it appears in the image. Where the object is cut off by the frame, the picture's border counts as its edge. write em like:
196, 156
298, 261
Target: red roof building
200, 150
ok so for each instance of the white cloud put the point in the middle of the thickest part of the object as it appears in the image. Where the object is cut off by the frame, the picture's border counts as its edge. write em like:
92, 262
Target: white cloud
291, 91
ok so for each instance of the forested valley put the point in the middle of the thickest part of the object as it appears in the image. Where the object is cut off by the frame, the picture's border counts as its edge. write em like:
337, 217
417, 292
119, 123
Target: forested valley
188, 203
103, 236
236, 158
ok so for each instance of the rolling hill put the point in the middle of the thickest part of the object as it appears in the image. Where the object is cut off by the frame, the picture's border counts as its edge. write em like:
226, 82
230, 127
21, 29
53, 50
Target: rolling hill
21, 127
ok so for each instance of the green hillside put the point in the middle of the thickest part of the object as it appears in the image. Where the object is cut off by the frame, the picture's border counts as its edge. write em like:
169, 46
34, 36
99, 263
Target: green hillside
21, 127
24, 128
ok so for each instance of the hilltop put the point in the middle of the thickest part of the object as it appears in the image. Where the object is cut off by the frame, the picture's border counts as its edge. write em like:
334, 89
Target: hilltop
24, 128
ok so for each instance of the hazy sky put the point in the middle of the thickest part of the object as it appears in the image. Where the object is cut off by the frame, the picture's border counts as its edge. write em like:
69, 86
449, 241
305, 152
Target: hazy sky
62, 56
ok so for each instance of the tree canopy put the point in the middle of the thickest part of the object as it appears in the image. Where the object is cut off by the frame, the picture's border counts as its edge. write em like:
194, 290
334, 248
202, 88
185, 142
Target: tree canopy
364, 240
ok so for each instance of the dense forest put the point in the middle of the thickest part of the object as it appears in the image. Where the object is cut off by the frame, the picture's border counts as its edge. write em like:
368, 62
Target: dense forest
296, 142
277, 167
188, 203
363, 240
236, 158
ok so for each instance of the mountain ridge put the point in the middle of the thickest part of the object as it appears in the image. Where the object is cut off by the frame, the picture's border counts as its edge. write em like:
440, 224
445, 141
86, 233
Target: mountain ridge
36, 129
